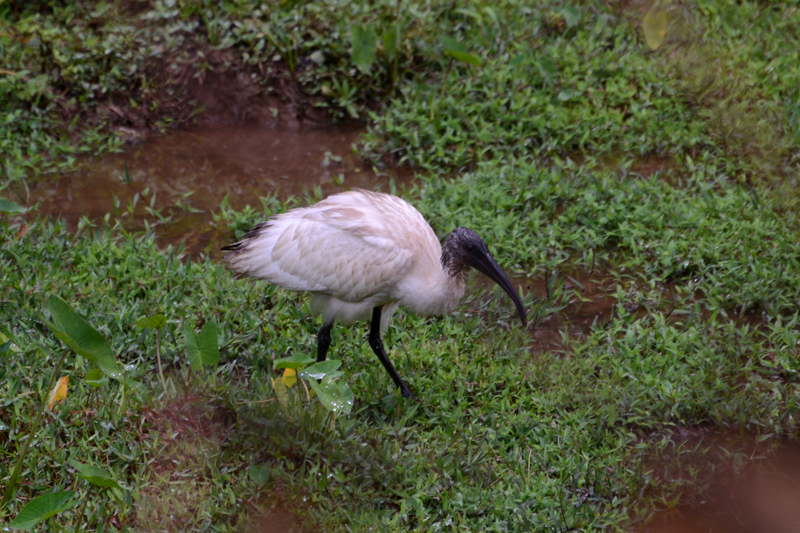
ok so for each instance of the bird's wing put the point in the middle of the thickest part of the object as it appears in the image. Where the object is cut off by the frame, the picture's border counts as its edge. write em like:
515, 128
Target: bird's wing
308, 255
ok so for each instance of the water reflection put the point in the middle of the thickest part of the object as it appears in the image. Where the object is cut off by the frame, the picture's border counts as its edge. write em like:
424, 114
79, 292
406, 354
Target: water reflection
760, 495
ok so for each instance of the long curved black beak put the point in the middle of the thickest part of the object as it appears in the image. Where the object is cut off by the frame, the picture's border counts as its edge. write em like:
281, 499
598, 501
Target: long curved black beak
484, 262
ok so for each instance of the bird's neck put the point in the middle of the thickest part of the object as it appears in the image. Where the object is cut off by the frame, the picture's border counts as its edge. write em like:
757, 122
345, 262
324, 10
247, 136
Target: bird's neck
431, 290
451, 279
451, 282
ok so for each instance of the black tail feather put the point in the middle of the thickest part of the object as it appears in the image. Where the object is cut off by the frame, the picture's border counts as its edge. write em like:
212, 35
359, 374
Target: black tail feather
239, 246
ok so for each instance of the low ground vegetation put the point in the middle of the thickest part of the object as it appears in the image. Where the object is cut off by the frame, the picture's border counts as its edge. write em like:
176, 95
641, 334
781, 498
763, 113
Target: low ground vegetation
527, 124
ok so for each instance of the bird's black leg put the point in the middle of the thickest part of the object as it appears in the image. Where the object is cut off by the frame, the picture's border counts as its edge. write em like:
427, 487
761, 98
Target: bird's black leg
376, 344
324, 341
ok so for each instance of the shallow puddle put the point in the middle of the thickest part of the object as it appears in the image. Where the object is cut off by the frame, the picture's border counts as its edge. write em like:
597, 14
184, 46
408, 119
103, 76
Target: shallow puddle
757, 490
186, 174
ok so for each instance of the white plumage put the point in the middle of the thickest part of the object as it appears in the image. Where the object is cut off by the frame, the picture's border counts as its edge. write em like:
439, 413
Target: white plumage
363, 253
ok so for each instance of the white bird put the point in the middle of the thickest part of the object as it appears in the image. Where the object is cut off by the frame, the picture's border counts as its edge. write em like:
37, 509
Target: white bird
362, 252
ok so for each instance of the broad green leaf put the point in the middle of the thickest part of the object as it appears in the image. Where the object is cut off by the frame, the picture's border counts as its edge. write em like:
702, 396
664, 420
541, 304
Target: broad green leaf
334, 375
391, 42
152, 322
451, 44
82, 338
518, 60
202, 349
566, 95
259, 474
94, 475
95, 378
465, 58
458, 51
336, 397
548, 69
7, 343
320, 370
365, 44
193, 349
209, 344
43, 507
294, 362
572, 16
345, 400
294, 365
654, 26
10, 208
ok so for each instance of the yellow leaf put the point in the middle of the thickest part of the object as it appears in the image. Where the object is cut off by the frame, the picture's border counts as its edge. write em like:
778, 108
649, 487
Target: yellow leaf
289, 377
59, 392
654, 25
280, 394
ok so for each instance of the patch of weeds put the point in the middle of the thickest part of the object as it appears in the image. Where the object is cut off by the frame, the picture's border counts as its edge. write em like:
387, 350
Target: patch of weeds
711, 234
496, 439
84, 78
547, 84
735, 78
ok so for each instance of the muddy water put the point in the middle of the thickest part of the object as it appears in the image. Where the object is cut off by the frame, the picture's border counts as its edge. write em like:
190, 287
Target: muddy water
758, 491
186, 174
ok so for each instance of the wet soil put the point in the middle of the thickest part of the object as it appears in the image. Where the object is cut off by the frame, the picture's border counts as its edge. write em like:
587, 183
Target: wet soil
275, 520
191, 433
198, 84
579, 301
187, 174
591, 304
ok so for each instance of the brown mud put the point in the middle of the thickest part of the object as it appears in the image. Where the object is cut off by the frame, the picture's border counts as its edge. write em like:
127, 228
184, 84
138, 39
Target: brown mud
590, 304
275, 519
577, 301
191, 433
580, 300
201, 85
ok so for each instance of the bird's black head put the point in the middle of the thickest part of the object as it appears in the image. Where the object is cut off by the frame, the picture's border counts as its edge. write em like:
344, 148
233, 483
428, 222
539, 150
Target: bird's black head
463, 247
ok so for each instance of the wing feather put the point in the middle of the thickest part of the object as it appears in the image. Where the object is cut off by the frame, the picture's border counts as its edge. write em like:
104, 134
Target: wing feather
306, 254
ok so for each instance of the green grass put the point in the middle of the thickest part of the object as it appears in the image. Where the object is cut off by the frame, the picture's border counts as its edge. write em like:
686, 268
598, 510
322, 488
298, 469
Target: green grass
700, 260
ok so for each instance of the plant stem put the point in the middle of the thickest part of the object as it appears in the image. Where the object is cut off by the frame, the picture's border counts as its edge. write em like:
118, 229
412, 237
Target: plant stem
12, 480
83, 508
446, 78
122, 401
158, 357
444, 86
396, 61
